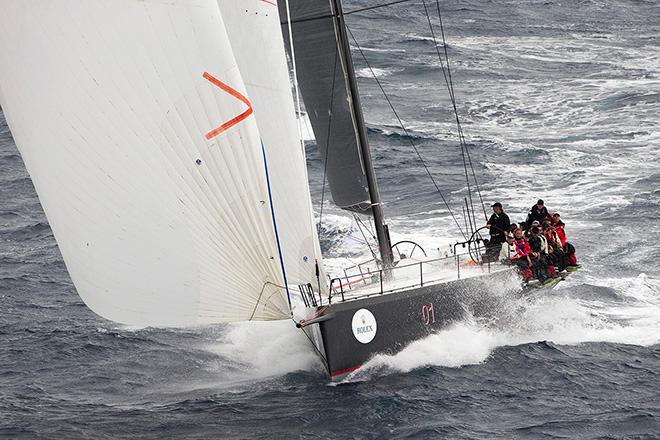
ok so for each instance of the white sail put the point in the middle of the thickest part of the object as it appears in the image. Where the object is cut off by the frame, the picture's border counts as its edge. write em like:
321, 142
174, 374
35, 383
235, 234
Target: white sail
254, 29
139, 134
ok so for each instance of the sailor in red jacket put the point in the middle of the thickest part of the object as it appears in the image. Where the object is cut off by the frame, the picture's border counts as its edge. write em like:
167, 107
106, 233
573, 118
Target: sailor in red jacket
569, 249
559, 227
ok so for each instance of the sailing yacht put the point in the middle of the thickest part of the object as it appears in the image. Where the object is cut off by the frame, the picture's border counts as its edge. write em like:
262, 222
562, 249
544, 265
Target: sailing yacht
163, 143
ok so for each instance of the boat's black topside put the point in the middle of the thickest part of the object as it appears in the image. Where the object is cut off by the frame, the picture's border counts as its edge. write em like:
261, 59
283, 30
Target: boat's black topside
387, 323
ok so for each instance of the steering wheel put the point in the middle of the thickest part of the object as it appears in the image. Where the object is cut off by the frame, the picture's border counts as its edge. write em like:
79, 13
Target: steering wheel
406, 249
475, 245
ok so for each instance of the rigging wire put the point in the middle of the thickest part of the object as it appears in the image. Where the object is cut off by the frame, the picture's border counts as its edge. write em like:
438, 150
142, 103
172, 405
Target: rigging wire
360, 224
450, 89
412, 143
327, 141
465, 152
295, 75
382, 5
451, 82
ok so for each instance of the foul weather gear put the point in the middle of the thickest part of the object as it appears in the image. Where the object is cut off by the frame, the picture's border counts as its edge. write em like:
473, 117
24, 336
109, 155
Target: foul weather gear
536, 215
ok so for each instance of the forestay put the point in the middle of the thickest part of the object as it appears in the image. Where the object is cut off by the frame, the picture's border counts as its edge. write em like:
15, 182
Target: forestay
136, 122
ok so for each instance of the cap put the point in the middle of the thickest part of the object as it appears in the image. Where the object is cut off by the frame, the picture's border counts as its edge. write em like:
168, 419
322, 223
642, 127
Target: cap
535, 223
496, 205
540, 202
556, 214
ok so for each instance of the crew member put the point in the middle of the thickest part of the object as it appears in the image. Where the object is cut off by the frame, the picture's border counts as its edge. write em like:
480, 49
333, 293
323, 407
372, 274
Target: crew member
498, 224
556, 255
537, 213
559, 227
521, 254
539, 248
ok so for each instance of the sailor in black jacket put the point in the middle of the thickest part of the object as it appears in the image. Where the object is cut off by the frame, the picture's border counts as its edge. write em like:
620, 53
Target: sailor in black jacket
537, 213
499, 224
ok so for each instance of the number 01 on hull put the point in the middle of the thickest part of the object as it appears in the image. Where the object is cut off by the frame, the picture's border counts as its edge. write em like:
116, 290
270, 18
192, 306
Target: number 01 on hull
347, 334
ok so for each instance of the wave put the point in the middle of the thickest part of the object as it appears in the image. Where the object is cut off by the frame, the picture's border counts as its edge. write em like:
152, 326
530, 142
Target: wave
258, 350
28, 232
396, 133
378, 72
623, 311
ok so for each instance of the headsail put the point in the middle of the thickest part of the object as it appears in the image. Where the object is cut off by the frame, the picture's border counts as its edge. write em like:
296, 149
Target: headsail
253, 28
137, 125
323, 83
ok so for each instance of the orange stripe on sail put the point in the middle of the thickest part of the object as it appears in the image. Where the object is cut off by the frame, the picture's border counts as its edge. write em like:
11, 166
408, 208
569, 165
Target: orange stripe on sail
233, 92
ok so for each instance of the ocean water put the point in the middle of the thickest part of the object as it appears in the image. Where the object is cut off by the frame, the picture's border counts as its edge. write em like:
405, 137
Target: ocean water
559, 100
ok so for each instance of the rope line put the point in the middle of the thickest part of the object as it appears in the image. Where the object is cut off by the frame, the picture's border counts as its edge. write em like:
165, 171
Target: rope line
412, 143
382, 5
321, 355
465, 151
451, 82
327, 140
360, 225
450, 90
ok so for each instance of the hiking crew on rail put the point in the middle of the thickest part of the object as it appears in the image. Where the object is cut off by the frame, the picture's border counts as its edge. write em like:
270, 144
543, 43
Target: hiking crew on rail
538, 247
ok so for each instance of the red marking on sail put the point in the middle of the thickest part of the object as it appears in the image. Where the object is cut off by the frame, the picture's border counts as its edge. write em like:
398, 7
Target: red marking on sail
230, 123
269, 2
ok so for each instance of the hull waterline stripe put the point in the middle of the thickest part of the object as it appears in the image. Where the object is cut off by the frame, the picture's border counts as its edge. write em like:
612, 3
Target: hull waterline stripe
233, 92
340, 372
277, 236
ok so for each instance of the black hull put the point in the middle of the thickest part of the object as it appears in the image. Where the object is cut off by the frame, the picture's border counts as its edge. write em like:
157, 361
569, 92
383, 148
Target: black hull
403, 317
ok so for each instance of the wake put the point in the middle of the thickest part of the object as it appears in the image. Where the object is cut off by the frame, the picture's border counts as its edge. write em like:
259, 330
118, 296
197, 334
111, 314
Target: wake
624, 311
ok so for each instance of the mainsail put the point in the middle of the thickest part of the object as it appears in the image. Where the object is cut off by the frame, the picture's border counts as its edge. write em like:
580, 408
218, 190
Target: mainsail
322, 57
148, 132
322, 75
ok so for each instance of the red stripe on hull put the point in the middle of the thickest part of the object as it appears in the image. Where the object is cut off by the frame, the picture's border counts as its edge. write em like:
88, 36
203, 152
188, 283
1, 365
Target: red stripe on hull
340, 372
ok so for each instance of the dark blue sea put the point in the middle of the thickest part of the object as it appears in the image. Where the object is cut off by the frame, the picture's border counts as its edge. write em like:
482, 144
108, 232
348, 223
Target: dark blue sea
558, 100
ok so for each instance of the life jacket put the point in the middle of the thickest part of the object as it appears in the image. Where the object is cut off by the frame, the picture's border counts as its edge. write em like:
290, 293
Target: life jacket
553, 239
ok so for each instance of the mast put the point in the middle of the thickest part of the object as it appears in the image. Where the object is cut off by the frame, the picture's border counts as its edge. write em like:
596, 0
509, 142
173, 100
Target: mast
382, 232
